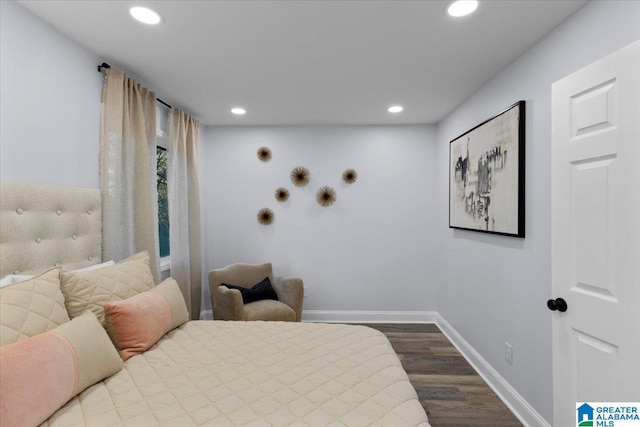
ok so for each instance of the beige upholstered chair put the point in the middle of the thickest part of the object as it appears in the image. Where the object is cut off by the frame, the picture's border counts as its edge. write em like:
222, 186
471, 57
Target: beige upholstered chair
227, 303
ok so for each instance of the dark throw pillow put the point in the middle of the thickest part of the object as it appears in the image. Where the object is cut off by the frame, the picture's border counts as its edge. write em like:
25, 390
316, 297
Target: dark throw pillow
262, 290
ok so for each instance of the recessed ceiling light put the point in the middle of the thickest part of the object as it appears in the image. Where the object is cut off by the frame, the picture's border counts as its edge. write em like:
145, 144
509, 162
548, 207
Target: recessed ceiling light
395, 108
238, 111
462, 7
145, 15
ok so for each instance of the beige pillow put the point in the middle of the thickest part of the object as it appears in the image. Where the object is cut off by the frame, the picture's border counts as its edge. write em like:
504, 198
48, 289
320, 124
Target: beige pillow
31, 307
91, 290
17, 278
40, 374
170, 290
95, 356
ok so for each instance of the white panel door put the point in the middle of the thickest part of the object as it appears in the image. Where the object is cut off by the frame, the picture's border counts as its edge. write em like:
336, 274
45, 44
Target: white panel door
595, 198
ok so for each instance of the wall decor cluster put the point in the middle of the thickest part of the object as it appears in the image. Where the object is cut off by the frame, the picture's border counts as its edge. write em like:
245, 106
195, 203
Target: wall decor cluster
300, 176
264, 154
486, 175
326, 196
350, 176
282, 194
265, 216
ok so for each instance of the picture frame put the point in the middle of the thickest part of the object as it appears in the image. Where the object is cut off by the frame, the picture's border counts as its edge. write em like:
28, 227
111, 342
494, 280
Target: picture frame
487, 175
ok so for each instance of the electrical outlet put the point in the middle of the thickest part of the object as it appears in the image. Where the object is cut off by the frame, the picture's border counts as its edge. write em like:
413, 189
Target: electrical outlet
508, 353
305, 291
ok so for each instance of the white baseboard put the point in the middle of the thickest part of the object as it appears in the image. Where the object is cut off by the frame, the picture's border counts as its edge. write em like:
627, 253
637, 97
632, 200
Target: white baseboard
340, 316
514, 401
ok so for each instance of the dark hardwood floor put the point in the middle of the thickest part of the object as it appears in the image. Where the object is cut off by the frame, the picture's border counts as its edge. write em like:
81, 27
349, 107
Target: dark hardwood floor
450, 390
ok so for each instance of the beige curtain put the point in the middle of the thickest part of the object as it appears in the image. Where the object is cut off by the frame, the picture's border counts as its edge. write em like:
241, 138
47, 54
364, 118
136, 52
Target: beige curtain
127, 169
184, 207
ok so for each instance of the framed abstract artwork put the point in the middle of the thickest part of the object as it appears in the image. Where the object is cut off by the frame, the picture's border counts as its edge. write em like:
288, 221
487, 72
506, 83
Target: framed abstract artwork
486, 175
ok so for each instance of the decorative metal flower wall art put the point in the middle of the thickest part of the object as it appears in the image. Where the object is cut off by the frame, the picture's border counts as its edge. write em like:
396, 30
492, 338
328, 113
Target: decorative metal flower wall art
282, 194
264, 154
350, 176
326, 196
265, 216
300, 176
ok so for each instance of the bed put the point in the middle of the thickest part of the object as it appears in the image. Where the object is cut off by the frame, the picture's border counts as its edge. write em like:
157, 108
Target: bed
205, 373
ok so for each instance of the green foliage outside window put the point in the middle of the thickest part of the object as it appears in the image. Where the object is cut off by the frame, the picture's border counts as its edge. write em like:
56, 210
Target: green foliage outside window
163, 204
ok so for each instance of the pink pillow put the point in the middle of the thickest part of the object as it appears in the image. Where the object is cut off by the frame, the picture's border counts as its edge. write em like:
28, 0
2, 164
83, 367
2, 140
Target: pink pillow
27, 372
41, 373
137, 323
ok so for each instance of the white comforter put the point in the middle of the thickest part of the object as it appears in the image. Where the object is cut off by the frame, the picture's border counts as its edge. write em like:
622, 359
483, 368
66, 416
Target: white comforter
254, 374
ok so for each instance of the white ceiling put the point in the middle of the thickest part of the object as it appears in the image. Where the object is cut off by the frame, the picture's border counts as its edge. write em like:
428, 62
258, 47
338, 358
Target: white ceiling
309, 62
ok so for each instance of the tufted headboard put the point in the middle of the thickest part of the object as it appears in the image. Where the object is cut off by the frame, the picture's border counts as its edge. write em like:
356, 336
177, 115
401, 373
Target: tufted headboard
46, 225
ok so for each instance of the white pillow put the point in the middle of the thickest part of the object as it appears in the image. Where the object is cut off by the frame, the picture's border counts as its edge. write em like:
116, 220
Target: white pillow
95, 267
12, 279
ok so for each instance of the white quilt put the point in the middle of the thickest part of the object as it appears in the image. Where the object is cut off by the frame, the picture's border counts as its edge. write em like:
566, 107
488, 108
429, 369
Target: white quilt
208, 373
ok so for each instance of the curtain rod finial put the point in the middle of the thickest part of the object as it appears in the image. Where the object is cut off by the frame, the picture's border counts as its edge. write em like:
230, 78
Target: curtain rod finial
103, 65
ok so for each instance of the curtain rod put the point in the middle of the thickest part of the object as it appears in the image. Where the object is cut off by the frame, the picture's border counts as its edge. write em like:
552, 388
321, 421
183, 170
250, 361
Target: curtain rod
105, 65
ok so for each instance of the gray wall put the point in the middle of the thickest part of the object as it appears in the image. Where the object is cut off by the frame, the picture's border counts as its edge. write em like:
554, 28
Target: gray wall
493, 288
49, 103
371, 250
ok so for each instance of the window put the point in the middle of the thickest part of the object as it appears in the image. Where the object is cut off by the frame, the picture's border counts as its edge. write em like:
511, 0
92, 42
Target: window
162, 153
163, 203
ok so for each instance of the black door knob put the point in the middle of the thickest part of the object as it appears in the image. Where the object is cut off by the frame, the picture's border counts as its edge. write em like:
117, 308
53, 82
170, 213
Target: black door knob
557, 304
